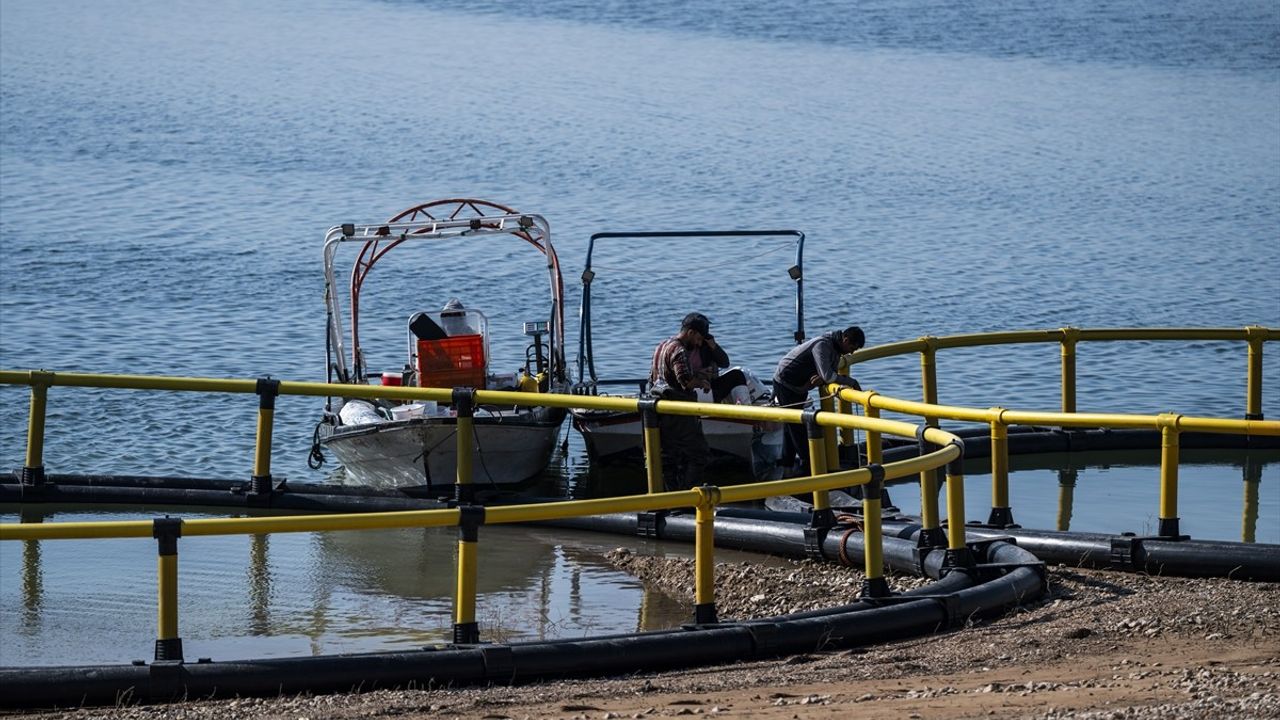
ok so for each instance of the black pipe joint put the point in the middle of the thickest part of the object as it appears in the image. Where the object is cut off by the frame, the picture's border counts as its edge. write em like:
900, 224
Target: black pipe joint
932, 538
875, 588
812, 429
920, 441
1001, 518
32, 477
466, 633
166, 531
464, 494
822, 519
169, 650
874, 490
260, 485
648, 412
470, 518
1169, 530
958, 560
267, 390
705, 614
464, 401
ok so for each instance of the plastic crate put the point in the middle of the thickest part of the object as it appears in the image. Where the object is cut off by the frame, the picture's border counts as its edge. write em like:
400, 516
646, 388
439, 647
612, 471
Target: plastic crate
457, 361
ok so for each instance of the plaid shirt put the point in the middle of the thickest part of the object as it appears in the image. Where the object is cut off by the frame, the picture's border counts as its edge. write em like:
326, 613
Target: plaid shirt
670, 365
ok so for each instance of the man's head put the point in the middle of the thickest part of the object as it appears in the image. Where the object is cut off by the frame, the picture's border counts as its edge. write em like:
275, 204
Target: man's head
696, 322
852, 338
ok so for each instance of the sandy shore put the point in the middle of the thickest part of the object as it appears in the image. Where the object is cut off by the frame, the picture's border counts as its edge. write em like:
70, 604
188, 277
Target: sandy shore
1101, 645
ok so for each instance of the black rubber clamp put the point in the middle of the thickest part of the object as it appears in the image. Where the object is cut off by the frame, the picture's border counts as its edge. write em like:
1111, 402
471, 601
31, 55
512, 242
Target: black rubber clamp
31, 477
876, 588
267, 389
648, 412
649, 524
812, 429
166, 677
464, 401
470, 518
705, 614
1001, 518
466, 633
955, 468
167, 530
813, 539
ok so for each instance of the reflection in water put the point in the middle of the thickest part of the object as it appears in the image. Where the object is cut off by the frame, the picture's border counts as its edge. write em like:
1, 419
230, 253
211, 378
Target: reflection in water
259, 586
1066, 494
1252, 479
32, 574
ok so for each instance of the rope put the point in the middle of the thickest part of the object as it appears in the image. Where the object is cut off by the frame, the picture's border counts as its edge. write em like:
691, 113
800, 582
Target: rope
854, 526
316, 458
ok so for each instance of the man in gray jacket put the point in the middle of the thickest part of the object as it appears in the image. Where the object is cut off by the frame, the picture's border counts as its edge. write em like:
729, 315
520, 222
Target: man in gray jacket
810, 364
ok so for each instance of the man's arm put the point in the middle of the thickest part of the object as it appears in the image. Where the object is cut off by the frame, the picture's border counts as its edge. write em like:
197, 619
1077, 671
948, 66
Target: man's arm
718, 355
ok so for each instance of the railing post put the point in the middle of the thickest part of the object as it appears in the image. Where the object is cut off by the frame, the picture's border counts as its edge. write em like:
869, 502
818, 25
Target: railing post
267, 391
875, 450
166, 531
1169, 432
464, 406
704, 539
875, 584
1066, 497
1253, 398
929, 478
33, 468
931, 535
822, 517
958, 554
1001, 511
827, 403
466, 631
652, 445
1070, 336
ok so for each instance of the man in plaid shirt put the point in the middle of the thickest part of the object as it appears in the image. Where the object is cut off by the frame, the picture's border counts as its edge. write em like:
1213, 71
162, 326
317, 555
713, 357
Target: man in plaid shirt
684, 448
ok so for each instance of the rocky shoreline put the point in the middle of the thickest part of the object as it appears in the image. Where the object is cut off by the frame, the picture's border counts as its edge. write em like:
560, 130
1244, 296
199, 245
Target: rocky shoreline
1101, 644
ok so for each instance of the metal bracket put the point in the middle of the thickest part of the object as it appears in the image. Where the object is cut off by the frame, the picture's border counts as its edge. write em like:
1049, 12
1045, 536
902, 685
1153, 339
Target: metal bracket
499, 663
649, 524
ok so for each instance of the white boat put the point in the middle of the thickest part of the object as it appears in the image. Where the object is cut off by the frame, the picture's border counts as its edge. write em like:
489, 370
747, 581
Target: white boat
387, 444
618, 436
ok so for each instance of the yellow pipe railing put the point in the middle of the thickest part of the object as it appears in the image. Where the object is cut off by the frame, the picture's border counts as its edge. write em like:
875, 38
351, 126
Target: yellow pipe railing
822, 433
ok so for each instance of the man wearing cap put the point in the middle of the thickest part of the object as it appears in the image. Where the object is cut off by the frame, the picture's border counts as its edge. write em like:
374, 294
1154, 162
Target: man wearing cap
671, 377
811, 364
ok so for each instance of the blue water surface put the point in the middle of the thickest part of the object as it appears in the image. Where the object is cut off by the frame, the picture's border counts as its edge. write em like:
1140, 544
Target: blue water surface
167, 175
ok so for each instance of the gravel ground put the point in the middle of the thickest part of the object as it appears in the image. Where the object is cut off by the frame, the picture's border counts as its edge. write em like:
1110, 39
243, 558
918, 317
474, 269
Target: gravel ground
1101, 645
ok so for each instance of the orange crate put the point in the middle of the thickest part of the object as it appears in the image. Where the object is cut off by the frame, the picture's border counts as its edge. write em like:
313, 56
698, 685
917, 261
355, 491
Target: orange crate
456, 361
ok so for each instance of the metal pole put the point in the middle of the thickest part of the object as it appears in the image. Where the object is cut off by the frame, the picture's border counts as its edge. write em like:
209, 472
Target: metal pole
822, 515
466, 631
704, 555
875, 584
1001, 511
166, 531
33, 469
929, 478
652, 445
267, 390
1253, 398
1168, 474
464, 406
1070, 336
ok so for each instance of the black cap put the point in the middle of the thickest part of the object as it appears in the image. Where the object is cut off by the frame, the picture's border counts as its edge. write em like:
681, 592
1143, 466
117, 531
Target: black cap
696, 321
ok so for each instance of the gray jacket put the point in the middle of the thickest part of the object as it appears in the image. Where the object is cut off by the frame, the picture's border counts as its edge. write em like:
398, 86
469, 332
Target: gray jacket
819, 356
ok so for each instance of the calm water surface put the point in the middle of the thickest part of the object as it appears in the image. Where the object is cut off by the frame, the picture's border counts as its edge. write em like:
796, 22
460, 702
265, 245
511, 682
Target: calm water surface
166, 177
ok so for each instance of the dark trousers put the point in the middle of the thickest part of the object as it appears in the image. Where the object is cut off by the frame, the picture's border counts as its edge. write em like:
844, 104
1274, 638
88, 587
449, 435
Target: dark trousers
722, 384
684, 451
795, 439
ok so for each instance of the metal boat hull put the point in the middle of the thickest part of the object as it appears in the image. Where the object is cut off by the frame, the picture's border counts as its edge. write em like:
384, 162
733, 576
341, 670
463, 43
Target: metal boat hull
617, 437
422, 452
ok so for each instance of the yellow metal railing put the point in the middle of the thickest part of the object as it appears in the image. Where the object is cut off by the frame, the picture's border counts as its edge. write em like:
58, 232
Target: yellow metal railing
825, 428
999, 419
467, 517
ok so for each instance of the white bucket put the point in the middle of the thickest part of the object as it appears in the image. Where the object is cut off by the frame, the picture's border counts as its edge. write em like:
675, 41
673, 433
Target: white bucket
426, 408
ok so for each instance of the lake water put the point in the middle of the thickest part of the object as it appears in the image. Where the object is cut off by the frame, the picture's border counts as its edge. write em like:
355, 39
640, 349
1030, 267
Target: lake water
167, 175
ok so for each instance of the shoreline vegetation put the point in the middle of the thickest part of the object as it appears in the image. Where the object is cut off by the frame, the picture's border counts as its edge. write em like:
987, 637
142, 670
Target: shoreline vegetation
1100, 644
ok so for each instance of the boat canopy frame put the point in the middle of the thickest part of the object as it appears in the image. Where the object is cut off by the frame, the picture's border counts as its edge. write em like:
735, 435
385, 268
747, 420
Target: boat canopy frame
586, 353
417, 225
